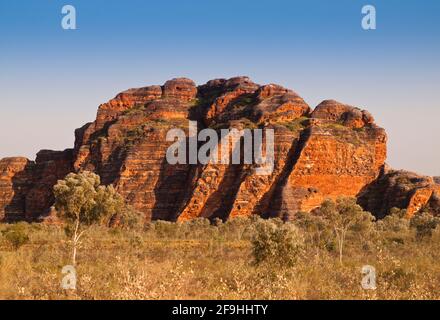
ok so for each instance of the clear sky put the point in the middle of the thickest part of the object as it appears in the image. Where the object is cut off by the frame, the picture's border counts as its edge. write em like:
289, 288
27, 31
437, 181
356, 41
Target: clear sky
52, 80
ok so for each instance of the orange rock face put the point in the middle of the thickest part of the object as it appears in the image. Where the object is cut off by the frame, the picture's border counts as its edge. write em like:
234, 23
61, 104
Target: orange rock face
334, 161
15, 178
335, 150
26, 186
401, 189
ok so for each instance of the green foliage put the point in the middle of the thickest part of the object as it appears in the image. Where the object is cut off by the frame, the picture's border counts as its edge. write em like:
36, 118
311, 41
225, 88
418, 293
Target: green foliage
346, 219
138, 108
134, 135
130, 219
16, 235
424, 223
164, 229
108, 204
239, 228
80, 197
346, 134
244, 100
345, 212
199, 259
297, 124
339, 127
395, 227
199, 228
276, 243
317, 232
81, 201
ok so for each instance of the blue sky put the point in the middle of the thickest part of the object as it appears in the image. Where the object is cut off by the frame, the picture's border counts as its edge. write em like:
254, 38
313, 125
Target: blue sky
52, 80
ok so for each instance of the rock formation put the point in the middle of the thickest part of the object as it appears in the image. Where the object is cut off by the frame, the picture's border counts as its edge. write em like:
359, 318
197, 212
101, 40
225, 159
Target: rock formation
26, 186
401, 189
334, 150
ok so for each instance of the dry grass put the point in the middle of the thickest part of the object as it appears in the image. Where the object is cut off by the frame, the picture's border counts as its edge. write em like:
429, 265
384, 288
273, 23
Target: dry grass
200, 261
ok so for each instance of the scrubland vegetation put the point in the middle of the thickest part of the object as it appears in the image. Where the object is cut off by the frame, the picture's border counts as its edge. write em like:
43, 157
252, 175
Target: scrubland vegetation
239, 259
315, 256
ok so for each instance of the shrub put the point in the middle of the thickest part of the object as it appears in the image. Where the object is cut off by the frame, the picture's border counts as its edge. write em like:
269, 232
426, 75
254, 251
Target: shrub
316, 230
395, 227
239, 228
199, 228
297, 124
129, 219
424, 223
16, 235
276, 243
346, 219
395, 221
81, 201
165, 229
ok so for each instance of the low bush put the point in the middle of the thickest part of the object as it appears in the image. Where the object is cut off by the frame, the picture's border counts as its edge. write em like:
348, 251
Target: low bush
243, 258
276, 243
16, 235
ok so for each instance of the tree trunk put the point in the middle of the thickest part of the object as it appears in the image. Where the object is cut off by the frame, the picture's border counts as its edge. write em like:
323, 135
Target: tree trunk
75, 243
341, 245
74, 255
340, 250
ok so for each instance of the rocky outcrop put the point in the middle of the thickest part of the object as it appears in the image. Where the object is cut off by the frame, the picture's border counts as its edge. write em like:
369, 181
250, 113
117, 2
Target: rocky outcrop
15, 182
335, 150
49, 167
346, 115
401, 189
26, 186
334, 161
